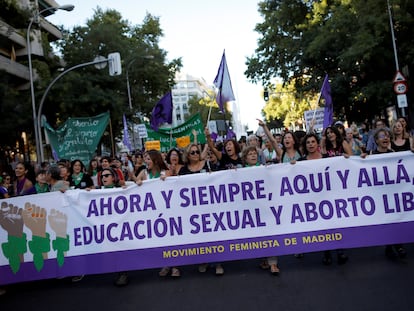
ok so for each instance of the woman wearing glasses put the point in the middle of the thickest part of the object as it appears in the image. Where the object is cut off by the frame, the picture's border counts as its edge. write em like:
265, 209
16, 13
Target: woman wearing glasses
193, 163
109, 178
382, 139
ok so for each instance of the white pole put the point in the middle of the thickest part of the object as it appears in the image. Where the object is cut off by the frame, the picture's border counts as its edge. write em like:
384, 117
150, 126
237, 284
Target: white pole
397, 67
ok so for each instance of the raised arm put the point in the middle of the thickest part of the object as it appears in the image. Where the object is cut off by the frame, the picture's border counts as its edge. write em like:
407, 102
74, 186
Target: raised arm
210, 143
272, 140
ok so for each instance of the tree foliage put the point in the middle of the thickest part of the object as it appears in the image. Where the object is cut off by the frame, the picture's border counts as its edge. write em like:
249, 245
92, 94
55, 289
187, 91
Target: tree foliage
208, 107
287, 104
302, 40
89, 91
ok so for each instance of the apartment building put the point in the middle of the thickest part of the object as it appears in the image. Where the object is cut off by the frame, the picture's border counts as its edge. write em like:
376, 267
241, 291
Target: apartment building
15, 17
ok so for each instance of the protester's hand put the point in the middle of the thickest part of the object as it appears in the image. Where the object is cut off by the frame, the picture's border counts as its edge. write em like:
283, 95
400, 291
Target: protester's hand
312, 123
58, 222
261, 123
34, 217
11, 219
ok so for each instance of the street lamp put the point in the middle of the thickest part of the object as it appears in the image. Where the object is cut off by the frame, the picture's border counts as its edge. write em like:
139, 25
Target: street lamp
97, 60
129, 90
67, 7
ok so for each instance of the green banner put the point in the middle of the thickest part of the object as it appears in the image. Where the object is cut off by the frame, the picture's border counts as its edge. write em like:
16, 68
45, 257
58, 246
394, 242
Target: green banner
77, 138
179, 136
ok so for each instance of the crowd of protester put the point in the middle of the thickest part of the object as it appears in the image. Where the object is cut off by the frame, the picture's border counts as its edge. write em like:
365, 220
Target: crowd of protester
270, 149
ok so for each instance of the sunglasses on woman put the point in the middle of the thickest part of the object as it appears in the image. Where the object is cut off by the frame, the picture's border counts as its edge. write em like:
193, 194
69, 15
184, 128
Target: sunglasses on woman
194, 152
106, 175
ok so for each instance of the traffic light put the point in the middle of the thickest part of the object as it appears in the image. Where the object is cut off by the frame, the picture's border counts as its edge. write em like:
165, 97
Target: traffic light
114, 61
266, 96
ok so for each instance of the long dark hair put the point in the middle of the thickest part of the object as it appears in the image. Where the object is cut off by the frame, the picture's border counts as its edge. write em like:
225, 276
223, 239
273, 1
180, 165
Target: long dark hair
156, 159
339, 138
83, 168
295, 139
180, 156
30, 171
113, 173
304, 139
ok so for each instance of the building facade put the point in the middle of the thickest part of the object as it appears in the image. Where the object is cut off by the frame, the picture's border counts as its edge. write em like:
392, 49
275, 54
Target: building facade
15, 17
185, 88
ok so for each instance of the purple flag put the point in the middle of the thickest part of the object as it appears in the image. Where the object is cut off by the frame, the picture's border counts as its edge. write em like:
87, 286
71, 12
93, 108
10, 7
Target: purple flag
328, 111
55, 155
162, 112
126, 140
214, 136
223, 83
230, 134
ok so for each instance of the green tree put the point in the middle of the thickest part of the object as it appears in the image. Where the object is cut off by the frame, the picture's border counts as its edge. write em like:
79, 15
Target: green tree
350, 40
287, 104
208, 105
88, 91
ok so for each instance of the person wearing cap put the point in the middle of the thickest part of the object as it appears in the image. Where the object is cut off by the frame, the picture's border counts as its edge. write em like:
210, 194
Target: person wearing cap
341, 128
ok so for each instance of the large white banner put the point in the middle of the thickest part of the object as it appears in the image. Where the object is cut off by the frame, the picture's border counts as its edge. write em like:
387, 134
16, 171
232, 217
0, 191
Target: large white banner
235, 214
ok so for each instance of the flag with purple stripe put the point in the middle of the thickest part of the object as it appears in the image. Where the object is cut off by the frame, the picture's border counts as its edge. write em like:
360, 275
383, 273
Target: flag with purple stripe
162, 112
126, 140
230, 134
223, 83
328, 110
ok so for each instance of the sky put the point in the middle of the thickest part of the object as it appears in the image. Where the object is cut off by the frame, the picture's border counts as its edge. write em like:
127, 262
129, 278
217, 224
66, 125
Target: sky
198, 32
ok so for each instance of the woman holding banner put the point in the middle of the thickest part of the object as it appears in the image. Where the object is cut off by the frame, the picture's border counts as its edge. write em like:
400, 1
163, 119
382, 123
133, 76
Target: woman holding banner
332, 145
79, 179
290, 145
194, 164
156, 168
109, 179
382, 139
175, 161
250, 157
229, 158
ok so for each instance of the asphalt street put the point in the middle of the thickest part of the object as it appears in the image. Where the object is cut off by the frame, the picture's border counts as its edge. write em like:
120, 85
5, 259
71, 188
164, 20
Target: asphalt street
369, 281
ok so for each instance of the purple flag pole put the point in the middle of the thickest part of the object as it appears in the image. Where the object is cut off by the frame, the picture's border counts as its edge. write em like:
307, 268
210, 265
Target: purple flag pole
328, 110
162, 112
126, 140
223, 83
230, 134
